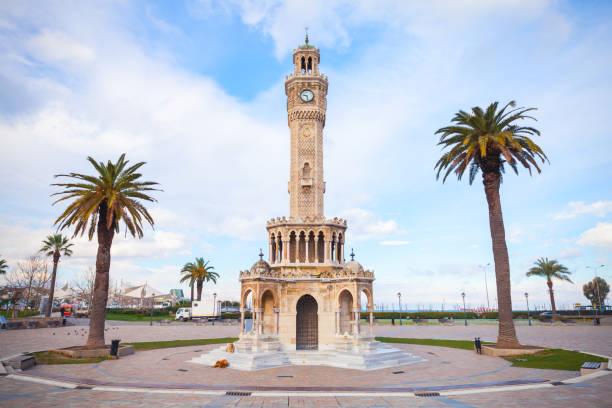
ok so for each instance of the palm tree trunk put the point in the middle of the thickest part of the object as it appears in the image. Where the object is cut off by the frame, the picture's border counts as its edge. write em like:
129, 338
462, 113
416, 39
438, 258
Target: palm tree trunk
200, 286
56, 256
191, 292
552, 299
100, 297
506, 336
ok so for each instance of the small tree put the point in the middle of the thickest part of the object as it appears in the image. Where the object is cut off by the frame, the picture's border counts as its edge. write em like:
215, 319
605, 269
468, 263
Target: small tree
84, 286
55, 245
596, 291
550, 269
30, 279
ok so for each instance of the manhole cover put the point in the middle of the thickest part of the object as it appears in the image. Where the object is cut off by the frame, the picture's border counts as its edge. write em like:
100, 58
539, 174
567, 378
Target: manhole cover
183, 370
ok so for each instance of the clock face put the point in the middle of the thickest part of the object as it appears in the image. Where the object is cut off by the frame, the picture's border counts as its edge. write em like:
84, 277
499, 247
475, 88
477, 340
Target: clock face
307, 95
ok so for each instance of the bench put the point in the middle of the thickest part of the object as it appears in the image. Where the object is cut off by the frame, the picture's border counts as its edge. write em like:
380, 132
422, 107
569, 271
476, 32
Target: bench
444, 320
420, 320
32, 325
2, 323
592, 366
53, 323
14, 325
164, 321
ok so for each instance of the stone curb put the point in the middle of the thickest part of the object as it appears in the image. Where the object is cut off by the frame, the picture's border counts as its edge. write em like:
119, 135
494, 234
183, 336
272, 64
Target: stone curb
416, 394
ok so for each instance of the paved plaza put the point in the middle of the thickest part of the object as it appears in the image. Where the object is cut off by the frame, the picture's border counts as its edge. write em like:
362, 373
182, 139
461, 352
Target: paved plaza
164, 377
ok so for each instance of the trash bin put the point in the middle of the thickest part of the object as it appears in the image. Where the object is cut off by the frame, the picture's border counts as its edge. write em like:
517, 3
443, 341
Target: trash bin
114, 347
597, 321
392, 321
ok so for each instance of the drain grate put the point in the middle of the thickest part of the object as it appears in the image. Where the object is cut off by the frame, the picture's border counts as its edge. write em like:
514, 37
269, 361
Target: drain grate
284, 376
238, 393
427, 394
557, 383
84, 387
398, 372
182, 369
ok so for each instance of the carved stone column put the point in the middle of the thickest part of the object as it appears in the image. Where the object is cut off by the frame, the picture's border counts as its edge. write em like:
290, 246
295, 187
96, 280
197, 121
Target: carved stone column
259, 324
341, 260
307, 244
356, 313
242, 310
338, 322
276, 319
371, 321
316, 249
327, 251
270, 253
286, 251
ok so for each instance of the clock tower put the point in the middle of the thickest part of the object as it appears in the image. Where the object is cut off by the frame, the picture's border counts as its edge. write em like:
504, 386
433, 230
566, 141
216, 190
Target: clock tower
306, 91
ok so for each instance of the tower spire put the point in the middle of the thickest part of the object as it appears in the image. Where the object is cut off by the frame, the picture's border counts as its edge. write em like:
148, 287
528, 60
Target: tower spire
306, 29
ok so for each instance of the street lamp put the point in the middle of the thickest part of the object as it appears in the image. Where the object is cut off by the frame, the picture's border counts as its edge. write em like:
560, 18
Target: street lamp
215, 306
464, 311
399, 303
484, 267
152, 303
527, 299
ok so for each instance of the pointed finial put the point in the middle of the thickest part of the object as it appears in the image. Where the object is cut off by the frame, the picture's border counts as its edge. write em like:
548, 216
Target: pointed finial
352, 255
260, 254
306, 29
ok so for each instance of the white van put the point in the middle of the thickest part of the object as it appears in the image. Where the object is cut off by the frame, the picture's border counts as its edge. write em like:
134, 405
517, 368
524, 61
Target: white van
183, 313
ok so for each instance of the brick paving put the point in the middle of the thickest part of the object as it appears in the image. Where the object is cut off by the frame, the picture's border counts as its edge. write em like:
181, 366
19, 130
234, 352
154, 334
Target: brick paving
165, 369
592, 393
170, 367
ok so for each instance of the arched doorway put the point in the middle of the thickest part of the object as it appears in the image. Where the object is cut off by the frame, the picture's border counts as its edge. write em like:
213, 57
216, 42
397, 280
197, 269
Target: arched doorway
306, 324
346, 313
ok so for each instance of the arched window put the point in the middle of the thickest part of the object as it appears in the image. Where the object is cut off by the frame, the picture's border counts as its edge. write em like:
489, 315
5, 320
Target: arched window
310, 65
273, 249
279, 247
306, 170
311, 247
292, 245
303, 66
302, 247
321, 248
339, 254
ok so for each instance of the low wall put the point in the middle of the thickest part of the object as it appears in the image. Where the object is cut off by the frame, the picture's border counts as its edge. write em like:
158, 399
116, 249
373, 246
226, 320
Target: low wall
33, 323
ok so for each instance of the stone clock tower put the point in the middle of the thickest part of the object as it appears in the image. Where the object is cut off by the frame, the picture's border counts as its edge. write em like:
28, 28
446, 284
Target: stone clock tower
306, 297
306, 93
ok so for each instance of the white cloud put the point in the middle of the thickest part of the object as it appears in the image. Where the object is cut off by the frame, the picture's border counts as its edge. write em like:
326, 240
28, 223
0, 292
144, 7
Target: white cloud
364, 224
599, 236
515, 233
395, 243
570, 252
598, 208
54, 46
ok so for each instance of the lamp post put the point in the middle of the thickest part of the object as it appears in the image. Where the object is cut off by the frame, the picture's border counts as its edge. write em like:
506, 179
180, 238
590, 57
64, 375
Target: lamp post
527, 300
464, 311
152, 304
484, 268
399, 303
215, 305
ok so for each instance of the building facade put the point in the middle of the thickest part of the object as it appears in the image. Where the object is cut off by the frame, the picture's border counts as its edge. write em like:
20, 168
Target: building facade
306, 297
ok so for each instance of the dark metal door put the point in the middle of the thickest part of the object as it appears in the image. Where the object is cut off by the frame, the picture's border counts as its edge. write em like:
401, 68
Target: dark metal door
307, 324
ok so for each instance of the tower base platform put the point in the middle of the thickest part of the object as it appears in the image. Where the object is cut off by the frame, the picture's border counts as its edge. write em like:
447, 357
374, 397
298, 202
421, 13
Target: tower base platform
259, 354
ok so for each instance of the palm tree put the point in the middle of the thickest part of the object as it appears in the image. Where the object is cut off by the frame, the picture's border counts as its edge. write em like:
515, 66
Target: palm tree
198, 272
3, 266
486, 141
55, 245
100, 204
550, 269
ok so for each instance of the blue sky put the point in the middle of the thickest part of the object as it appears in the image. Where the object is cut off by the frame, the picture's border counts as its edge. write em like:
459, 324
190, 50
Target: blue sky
195, 89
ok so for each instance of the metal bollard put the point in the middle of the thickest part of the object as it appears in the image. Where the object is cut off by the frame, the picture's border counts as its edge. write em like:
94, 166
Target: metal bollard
114, 347
478, 345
